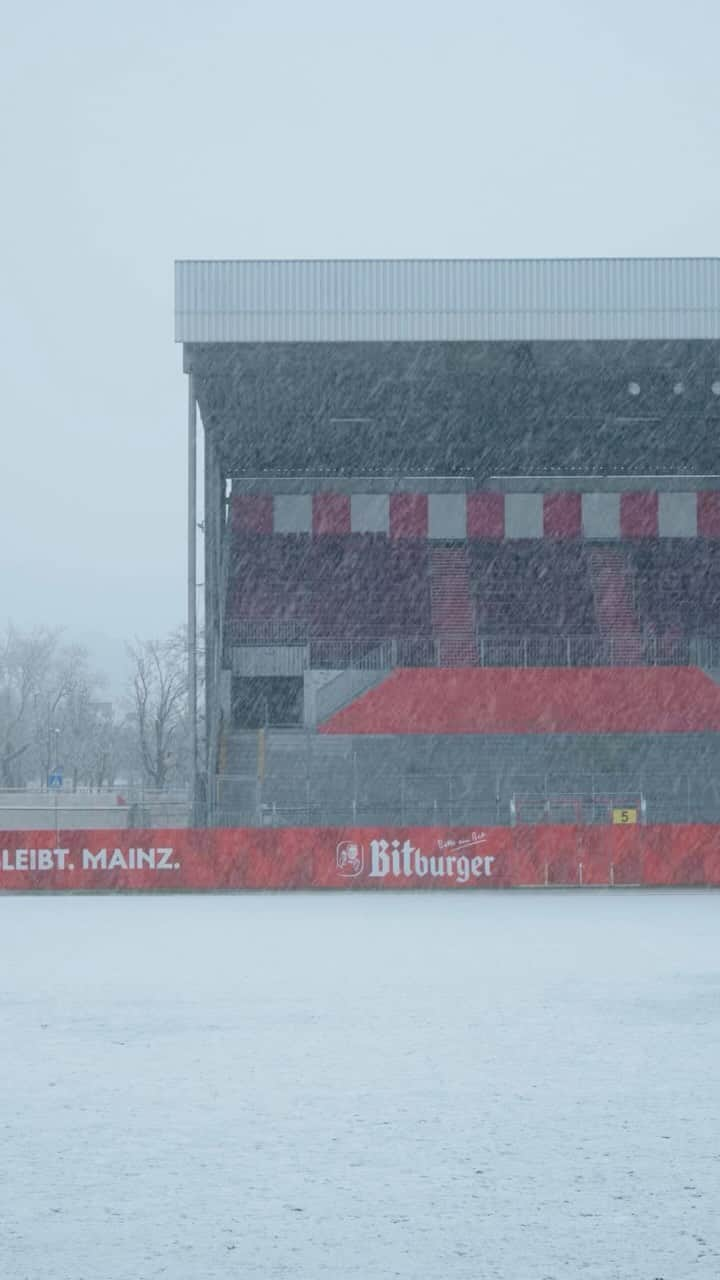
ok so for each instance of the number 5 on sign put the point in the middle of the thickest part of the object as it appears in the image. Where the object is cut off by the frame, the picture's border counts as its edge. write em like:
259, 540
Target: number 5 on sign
622, 817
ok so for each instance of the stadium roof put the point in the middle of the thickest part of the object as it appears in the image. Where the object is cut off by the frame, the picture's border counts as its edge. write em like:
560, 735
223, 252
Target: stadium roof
461, 300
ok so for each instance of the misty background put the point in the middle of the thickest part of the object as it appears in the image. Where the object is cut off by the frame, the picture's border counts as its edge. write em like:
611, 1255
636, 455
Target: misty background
134, 135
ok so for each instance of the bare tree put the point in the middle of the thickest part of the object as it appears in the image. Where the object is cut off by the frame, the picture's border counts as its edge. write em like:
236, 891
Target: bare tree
50, 714
87, 737
65, 689
159, 708
25, 664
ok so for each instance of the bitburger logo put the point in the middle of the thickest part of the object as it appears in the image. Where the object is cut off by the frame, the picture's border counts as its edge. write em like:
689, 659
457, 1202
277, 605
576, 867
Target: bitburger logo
349, 858
403, 860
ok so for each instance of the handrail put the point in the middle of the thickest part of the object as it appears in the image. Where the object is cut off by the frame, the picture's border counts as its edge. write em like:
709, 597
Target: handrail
293, 650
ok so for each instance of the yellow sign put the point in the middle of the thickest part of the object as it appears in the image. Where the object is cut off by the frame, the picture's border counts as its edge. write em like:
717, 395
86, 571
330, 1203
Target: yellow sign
622, 817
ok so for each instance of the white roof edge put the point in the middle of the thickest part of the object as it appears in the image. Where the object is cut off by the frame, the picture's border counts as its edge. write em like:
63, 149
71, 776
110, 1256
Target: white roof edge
361, 261
453, 299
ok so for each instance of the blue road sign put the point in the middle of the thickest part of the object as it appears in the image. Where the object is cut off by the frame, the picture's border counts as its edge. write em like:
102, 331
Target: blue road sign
55, 780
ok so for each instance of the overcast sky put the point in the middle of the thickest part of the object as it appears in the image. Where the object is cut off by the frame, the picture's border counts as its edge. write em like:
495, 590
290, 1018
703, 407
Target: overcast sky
138, 133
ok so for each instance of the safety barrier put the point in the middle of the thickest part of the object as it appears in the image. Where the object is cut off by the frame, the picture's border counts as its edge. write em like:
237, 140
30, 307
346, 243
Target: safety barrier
219, 860
293, 650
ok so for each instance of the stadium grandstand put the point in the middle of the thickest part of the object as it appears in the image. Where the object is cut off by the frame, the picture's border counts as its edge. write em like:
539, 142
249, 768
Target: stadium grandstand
461, 539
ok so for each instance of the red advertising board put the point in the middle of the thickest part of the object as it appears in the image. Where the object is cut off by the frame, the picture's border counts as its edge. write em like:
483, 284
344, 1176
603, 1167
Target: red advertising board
364, 858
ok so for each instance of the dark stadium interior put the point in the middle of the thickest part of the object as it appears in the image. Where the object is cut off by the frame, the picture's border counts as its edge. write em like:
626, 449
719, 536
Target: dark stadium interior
461, 408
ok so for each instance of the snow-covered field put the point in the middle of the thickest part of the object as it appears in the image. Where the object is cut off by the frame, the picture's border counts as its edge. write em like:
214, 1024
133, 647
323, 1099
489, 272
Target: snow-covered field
506, 1085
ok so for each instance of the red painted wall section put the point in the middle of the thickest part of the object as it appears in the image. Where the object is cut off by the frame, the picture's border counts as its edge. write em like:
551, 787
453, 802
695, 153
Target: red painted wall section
408, 515
486, 515
562, 515
331, 513
708, 515
252, 512
638, 515
364, 858
536, 700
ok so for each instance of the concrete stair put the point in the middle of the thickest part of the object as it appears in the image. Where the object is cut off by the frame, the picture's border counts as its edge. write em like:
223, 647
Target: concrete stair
615, 611
451, 609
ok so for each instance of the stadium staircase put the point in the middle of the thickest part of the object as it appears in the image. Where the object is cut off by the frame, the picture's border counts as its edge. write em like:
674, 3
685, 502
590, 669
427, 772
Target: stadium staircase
452, 614
615, 610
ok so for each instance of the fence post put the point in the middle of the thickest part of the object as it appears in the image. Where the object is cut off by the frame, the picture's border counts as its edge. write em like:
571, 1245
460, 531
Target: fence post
569, 651
525, 651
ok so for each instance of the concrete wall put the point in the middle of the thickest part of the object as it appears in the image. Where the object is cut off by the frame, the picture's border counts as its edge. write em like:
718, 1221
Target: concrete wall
328, 691
269, 660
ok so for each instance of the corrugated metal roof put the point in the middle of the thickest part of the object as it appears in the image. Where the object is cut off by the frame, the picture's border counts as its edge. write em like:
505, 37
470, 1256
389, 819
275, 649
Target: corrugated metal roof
447, 300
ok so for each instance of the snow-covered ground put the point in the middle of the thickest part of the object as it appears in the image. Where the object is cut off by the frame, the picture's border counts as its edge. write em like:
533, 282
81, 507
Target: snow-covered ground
486, 1085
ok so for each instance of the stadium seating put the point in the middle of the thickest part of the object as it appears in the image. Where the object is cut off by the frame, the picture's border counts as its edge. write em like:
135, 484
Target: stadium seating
521, 587
270, 579
677, 584
356, 587
364, 586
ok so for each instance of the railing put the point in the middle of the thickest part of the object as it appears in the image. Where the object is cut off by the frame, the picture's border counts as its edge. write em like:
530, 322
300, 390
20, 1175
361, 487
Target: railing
238, 631
28, 817
589, 651
467, 800
35, 809
374, 653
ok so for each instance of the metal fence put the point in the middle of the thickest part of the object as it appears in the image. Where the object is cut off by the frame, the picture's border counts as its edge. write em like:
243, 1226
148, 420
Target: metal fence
36, 810
293, 650
583, 651
470, 799
416, 799
238, 631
